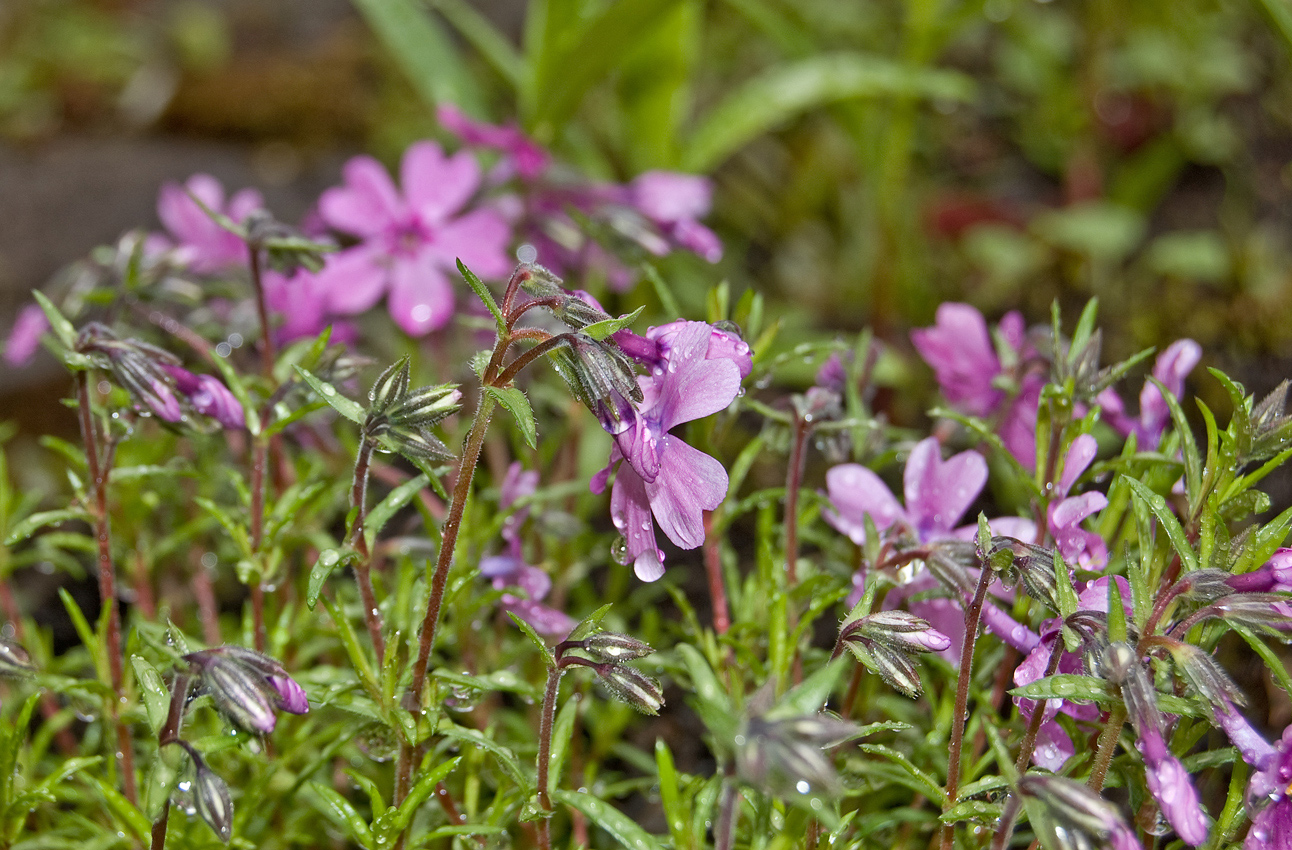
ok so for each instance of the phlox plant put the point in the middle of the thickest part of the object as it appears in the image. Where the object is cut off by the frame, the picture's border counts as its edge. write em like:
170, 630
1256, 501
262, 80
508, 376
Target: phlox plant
498, 566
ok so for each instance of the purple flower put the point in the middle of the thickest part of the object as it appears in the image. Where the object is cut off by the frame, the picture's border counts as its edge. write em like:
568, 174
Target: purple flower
1274, 576
1173, 789
1170, 369
509, 571
1079, 547
938, 493
698, 374
675, 203
1268, 796
24, 339
517, 484
202, 245
964, 360
208, 396
409, 241
521, 154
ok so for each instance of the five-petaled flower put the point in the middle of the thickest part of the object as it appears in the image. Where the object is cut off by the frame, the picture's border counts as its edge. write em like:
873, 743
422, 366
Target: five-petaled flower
202, 245
409, 241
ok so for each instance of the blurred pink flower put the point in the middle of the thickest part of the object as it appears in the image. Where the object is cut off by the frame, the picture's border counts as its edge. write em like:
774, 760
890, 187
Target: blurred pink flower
1171, 368
410, 241
24, 339
521, 154
202, 245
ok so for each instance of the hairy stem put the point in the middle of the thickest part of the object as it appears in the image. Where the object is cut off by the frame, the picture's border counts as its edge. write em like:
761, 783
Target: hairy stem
545, 752
448, 544
169, 733
972, 617
1026, 749
1107, 745
107, 584
358, 541
724, 833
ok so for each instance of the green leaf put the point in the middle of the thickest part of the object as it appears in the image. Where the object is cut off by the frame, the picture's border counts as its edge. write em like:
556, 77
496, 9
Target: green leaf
590, 623
28, 526
515, 402
57, 321
583, 54
82, 626
329, 560
482, 292
396, 821
423, 51
389, 506
127, 813
708, 696
913, 776
351, 643
786, 91
621, 827
338, 810
670, 796
810, 696
155, 693
505, 757
351, 410
492, 45
1166, 521
562, 733
525, 627
606, 327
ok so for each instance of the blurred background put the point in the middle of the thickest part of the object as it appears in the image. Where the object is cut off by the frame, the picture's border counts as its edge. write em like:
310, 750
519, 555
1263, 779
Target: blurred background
870, 159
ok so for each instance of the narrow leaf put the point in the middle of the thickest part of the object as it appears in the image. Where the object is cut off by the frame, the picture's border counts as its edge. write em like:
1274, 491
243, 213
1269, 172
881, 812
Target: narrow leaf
482, 292
516, 403
1166, 521
57, 321
155, 693
351, 410
338, 810
389, 506
606, 327
423, 51
525, 627
621, 827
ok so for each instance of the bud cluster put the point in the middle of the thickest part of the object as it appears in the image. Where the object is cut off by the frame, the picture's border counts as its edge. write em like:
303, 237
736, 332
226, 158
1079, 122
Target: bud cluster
605, 653
405, 416
886, 641
248, 687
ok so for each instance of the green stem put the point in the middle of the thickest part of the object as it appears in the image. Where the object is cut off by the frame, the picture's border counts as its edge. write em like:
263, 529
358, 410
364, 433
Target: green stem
358, 541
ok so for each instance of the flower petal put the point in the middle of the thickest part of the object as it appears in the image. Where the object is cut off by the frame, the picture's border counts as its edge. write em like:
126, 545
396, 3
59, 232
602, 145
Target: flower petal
437, 186
854, 492
689, 483
421, 299
352, 281
367, 204
479, 239
939, 492
630, 510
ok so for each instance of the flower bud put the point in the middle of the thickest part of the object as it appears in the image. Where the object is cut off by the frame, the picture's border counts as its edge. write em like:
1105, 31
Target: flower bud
1035, 566
247, 686
631, 686
390, 386
613, 647
14, 660
211, 797
893, 665
1268, 611
1081, 818
787, 757
1207, 677
901, 630
601, 378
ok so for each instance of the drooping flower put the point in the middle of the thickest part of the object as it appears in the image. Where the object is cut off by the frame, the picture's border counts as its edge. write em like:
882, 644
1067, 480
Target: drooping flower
698, 373
410, 242
202, 245
1268, 796
1275, 575
1170, 369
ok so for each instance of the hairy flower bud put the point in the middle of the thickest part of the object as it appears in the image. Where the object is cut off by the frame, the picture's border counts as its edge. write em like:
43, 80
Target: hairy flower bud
613, 647
211, 798
390, 386
247, 686
1209, 680
1035, 566
787, 757
1076, 817
601, 378
632, 686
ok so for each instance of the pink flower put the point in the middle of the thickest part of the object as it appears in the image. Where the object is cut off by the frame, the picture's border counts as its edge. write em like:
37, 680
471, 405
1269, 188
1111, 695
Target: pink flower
207, 395
938, 493
202, 245
676, 202
410, 242
521, 154
1171, 368
24, 339
663, 477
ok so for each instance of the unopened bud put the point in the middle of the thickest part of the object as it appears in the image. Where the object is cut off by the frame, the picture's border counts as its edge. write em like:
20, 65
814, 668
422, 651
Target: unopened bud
1081, 818
901, 630
631, 686
1035, 566
893, 665
390, 386
211, 797
601, 378
14, 660
1269, 611
610, 646
1207, 677
950, 562
247, 686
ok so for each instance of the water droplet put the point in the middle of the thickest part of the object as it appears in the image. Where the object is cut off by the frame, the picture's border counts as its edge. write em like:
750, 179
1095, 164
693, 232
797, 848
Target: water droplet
803, 787
329, 558
619, 549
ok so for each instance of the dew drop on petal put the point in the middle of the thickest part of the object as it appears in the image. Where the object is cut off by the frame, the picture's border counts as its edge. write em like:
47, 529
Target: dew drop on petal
619, 549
